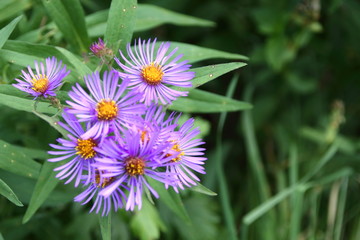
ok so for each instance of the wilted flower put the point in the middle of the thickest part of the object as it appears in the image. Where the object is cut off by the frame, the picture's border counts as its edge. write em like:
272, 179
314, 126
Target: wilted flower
152, 73
100, 49
47, 79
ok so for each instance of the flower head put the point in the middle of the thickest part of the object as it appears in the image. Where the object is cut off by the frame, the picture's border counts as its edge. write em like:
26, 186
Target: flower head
130, 162
100, 49
153, 72
186, 155
108, 107
114, 201
78, 152
45, 81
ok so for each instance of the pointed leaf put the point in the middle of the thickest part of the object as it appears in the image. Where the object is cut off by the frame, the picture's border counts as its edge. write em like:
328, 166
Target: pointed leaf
146, 224
9, 9
44, 186
7, 30
105, 226
120, 23
170, 198
204, 102
12, 160
202, 189
6, 191
67, 21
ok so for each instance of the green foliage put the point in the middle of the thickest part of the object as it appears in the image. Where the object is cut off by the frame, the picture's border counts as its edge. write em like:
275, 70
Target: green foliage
285, 168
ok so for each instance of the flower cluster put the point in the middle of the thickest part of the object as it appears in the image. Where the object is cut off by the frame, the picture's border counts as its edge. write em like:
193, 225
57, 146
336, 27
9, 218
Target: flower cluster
119, 139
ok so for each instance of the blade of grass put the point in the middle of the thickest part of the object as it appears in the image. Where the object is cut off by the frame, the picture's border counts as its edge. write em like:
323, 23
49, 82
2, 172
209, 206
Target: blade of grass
295, 221
105, 226
224, 194
341, 209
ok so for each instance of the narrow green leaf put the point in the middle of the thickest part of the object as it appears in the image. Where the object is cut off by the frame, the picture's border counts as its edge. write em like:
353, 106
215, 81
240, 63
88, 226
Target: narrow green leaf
209, 73
7, 30
44, 186
204, 102
11, 8
194, 53
53, 121
202, 189
1, 237
12, 160
66, 24
120, 23
147, 17
150, 16
105, 226
23, 104
6, 191
170, 198
146, 224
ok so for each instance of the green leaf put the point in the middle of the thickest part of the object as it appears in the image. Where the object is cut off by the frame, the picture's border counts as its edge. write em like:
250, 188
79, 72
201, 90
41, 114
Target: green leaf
105, 226
204, 102
10, 8
209, 73
53, 121
7, 30
147, 17
170, 198
150, 16
1, 237
146, 223
69, 21
12, 160
25, 104
6, 191
202, 189
120, 23
194, 53
44, 186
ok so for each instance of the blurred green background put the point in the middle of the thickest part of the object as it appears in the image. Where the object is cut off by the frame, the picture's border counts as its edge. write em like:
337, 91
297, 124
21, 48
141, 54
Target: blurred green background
287, 169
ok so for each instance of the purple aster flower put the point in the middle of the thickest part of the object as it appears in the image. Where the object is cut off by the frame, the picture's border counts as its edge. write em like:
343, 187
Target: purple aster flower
153, 73
100, 50
108, 107
47, 79
186, 158
114, 201
131, 163
78, 149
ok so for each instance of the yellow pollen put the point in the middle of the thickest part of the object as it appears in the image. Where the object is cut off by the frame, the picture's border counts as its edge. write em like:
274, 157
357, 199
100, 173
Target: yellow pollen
106, 110
135, 166
85, 148
105, 181
152, 74
40, 83
176, 148
144, 136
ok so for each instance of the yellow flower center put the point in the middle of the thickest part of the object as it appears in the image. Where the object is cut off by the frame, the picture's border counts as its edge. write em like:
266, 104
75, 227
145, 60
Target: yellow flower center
106, 110
85, 148
176, 148
152, 74
102, 182
40, 83
135, 166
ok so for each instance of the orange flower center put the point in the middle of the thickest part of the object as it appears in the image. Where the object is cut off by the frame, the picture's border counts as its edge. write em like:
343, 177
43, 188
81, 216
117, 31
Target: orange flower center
85, 148
135, 166
152, 74
102, 182
40, 83
106, 110
176, 148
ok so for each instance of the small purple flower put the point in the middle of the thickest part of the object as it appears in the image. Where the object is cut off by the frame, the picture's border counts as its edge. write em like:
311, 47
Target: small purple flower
186, 155
78, 149
129, 163
114, 201
108, 107
46, 80
100, 50
153, 73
